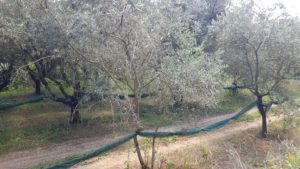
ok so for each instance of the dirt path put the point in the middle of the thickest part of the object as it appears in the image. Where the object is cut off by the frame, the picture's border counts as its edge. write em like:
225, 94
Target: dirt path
32, 157
28, 158
118, 160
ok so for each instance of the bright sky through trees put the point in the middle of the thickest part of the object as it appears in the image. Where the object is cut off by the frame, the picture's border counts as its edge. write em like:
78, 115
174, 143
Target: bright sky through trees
292, 6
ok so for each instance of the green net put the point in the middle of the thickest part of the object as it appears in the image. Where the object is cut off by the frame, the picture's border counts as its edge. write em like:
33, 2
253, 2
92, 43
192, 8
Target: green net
192, 131
31, 99
105, 148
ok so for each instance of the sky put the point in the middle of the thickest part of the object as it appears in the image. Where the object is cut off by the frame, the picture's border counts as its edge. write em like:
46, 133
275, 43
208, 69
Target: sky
292, 6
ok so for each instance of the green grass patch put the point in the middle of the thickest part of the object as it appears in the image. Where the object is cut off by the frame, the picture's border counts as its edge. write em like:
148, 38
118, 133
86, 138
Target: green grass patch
248, 117
35, 124
290, 89
227, 102
12, 94
154, 120
288, 127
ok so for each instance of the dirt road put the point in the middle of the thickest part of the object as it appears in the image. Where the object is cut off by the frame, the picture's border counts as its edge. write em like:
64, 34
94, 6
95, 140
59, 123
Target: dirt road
118, 160
28, 158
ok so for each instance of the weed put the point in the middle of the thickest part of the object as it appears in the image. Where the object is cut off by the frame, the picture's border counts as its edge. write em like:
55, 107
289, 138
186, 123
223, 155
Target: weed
170, 165
186, 166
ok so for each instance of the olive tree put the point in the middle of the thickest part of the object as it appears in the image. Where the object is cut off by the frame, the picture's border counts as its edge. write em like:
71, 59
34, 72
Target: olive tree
189, 72
9, 55
122, 40
187, 23
259, 45
7, 61
130, 43
46, 53
20, 25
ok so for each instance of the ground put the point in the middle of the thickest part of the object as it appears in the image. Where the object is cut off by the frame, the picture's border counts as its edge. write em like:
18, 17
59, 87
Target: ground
53, 152
38, 124
46, 122
237, 145
38, 134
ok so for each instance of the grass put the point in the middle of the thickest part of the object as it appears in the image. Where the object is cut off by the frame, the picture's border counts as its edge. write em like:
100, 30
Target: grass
247, 149
27, 126
229, 103
248, 117
11, 94
144, 143
14, 93
18, 130
190, 158
41, 123
45, 122
253, 150
282, 148
289, 89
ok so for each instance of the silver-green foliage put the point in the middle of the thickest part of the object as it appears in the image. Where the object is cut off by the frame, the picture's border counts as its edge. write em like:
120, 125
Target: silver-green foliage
258, 45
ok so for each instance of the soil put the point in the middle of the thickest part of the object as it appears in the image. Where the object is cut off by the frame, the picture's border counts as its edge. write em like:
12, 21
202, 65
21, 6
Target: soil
110, 162
53, 152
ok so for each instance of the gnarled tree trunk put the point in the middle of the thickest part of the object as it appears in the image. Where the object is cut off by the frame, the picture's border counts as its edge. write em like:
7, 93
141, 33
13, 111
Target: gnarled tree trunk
37, 82
75, 114
37, 87
263, 113
3, 85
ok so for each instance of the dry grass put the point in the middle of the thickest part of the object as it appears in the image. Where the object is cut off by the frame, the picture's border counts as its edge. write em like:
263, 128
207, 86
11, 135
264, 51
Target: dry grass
191, 158
245, 150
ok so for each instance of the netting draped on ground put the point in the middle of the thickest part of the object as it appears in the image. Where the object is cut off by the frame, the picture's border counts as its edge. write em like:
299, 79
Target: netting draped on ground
192, 131
105, 148
37, 98
31, 99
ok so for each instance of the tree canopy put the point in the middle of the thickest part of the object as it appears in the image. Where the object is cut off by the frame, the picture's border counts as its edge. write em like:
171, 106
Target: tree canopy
259, 47
174, 49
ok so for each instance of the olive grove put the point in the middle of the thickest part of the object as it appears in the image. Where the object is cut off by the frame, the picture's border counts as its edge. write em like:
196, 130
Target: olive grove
134, 48
177, 50
45, 53
140, 46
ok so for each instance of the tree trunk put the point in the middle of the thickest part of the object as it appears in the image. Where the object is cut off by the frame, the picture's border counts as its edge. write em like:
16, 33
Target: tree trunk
37, 87
136, 100
136, 107
138, 151
234, 88
3, 85
75, 115
37, 82
264, 130
263, 114
178, 100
